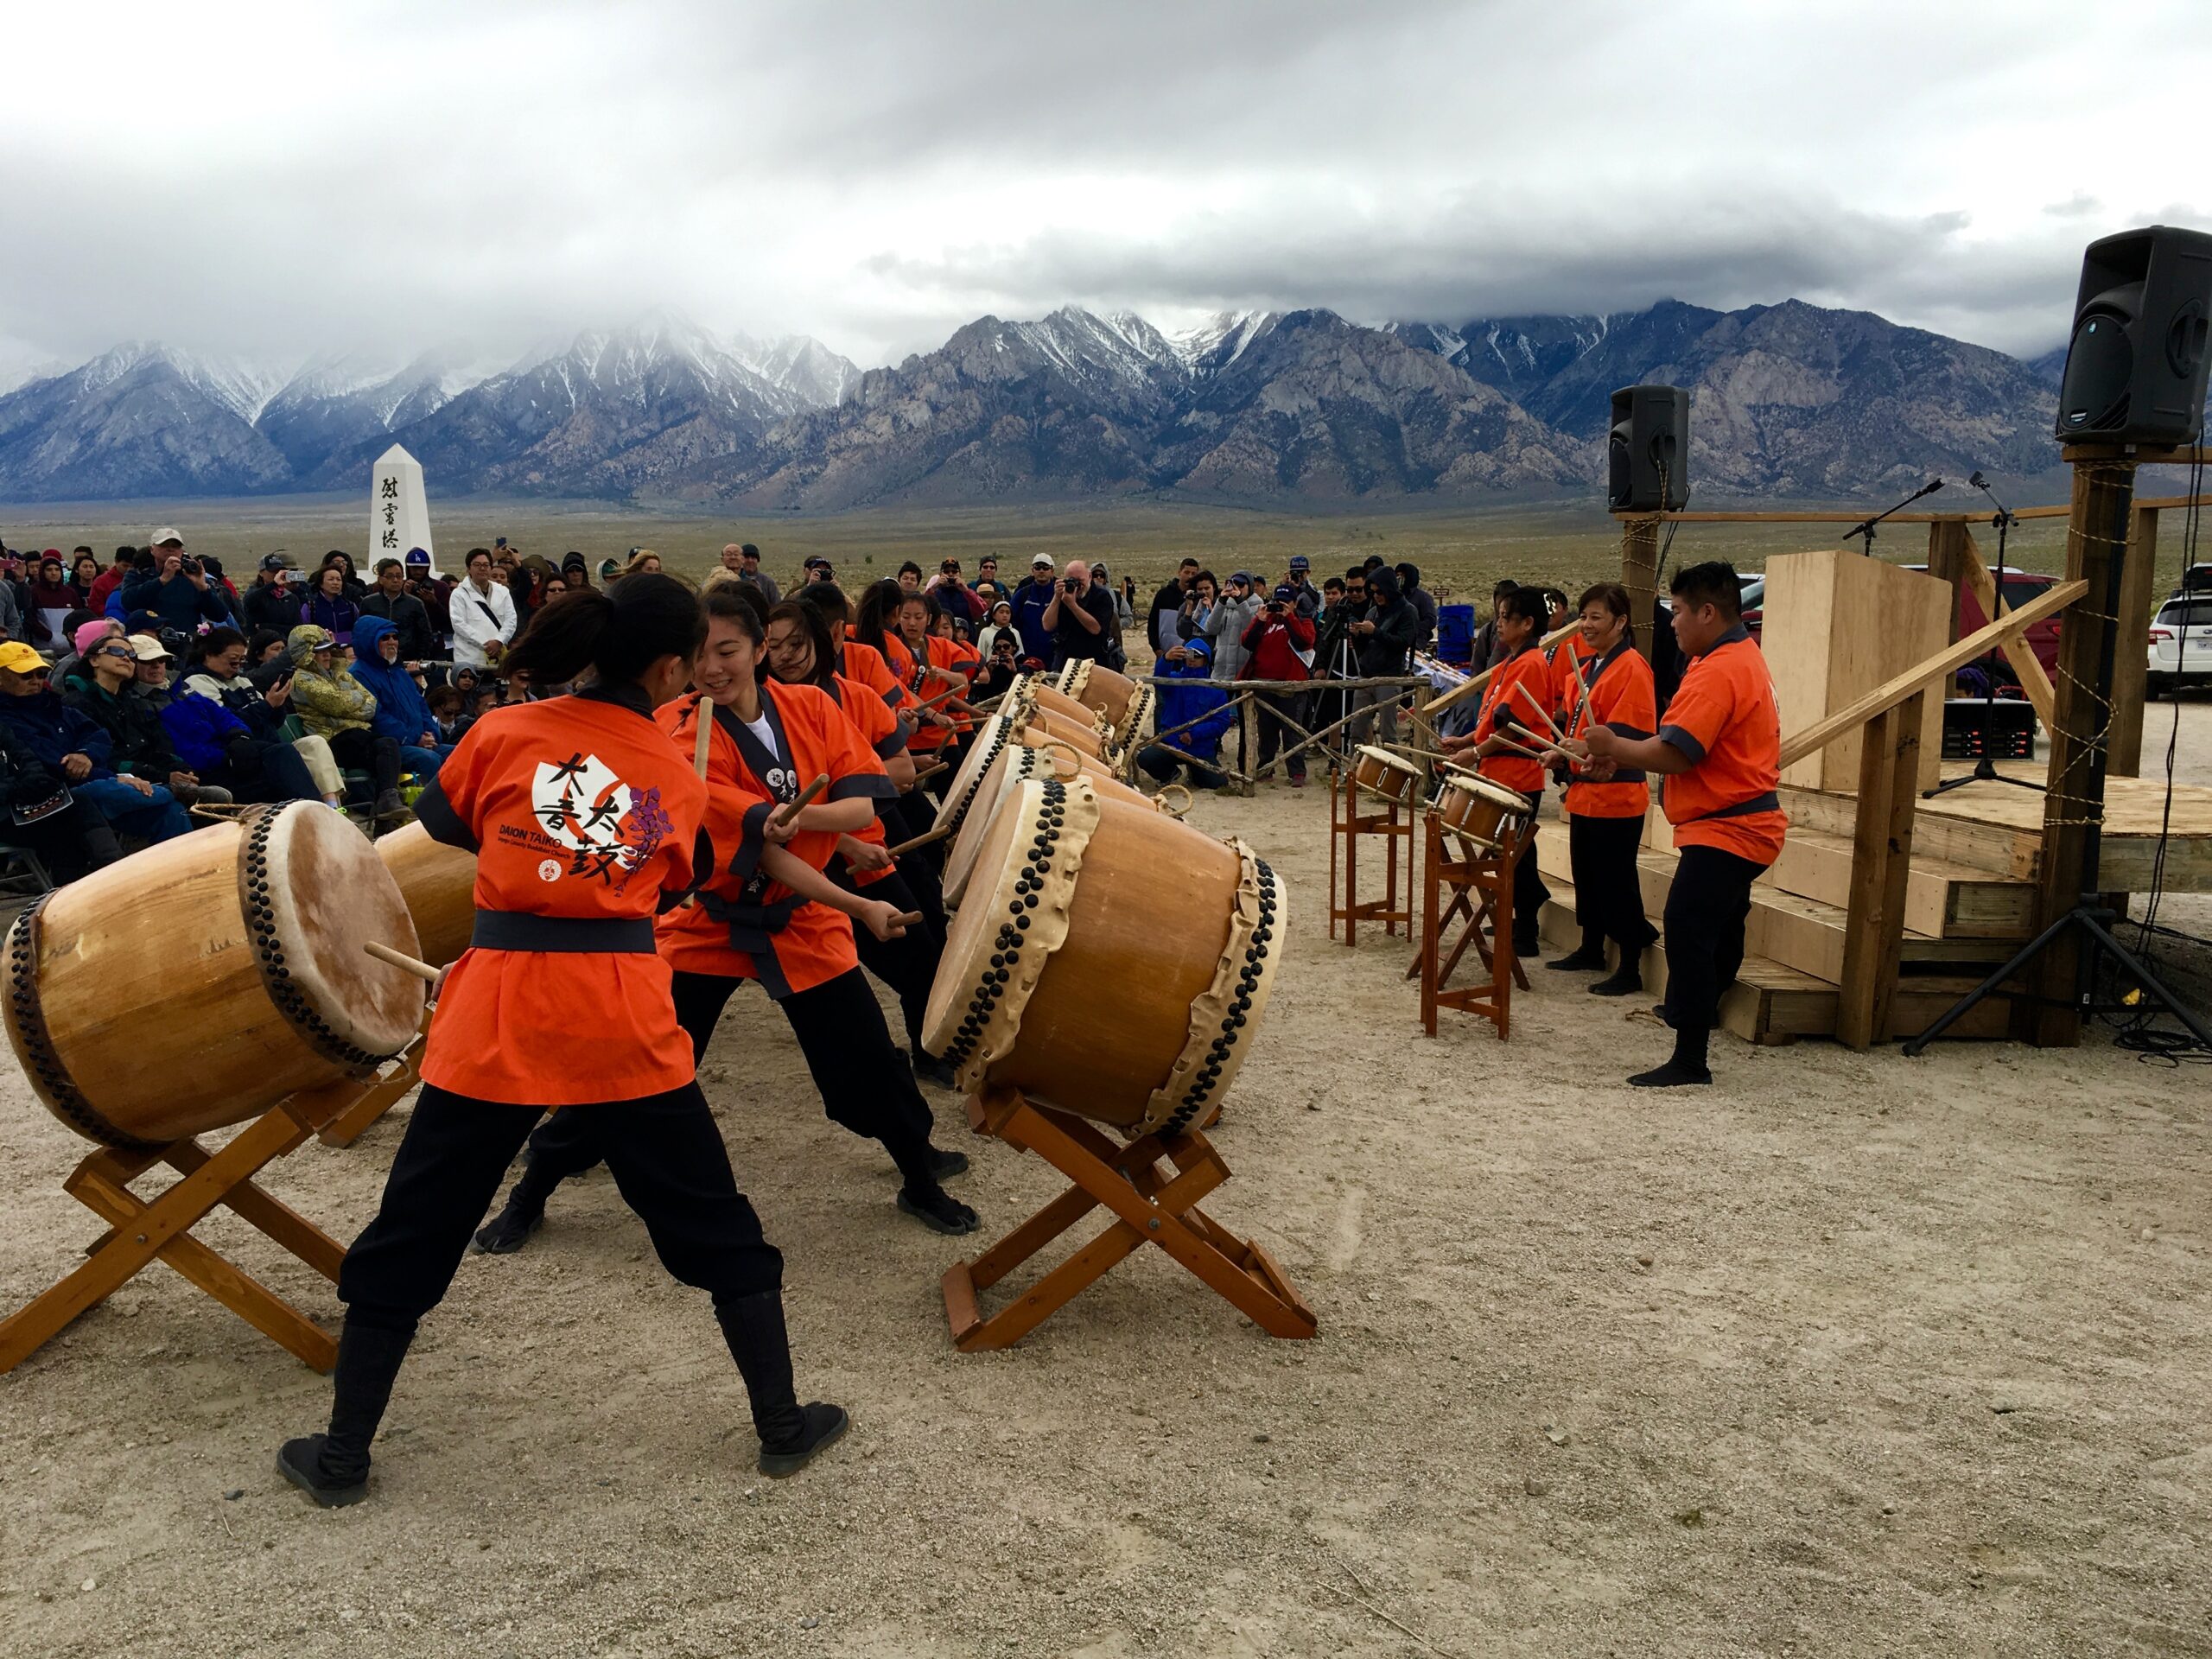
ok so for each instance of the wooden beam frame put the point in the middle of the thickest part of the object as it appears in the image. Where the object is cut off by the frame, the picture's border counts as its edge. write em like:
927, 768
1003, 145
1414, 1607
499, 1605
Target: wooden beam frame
1887, 696
2131, 666
1889, 785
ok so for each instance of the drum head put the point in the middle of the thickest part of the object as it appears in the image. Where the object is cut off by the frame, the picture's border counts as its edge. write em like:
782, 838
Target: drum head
970, 939
990, 737
327, 895
1511, 799
1014, 765
1394, 763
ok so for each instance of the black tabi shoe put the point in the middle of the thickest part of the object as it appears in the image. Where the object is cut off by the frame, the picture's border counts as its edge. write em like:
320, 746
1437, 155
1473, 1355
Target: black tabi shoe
931, 1069
1672, 1074
1528, 950
938, 1209
825, 1426
1585, 961
945, 1165
300, 1462
1627, 982
507, 1232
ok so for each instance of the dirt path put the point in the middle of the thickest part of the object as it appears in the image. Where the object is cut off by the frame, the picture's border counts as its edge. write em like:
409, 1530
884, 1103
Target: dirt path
1847, 1355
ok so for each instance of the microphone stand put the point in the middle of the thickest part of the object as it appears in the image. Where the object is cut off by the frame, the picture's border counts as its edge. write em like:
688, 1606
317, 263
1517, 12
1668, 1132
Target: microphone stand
1865, 527
1985, 767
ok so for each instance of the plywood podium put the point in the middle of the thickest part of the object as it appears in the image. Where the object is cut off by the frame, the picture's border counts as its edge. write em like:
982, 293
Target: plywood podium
1834, 627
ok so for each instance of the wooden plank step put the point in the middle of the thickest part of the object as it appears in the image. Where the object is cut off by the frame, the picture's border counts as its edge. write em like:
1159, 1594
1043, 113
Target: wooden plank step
2010, 851
1943, 899
1799, 932
1771, 1004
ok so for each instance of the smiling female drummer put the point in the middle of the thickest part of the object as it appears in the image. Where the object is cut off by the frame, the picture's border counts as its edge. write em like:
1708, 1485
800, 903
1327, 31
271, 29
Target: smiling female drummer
1606, 804
767, 744
581, 813
1516, 699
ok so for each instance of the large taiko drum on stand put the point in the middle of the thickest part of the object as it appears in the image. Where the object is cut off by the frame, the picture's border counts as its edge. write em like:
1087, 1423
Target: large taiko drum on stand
1035, 691
438, 883
1016, 763
1108, 961
1487, 814
1124, 702
996, 735
1378, 771
197, 983
1087, 734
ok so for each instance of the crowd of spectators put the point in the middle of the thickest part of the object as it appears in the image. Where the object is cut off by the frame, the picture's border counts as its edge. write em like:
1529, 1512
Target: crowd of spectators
136, 688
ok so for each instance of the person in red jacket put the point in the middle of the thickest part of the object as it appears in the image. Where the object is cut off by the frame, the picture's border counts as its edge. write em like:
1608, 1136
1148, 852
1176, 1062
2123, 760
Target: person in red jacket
1509, 739
1279, 642
581, 815
1605, 804
1719, 750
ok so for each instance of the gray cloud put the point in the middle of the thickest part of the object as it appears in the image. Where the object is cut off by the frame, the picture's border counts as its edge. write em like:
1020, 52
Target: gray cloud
877, 173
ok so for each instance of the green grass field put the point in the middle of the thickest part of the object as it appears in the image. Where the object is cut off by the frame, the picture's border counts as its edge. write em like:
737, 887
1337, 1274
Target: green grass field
1461, 551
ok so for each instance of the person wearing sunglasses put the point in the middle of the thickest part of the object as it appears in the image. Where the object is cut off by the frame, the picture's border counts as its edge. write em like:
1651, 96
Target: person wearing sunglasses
77, 752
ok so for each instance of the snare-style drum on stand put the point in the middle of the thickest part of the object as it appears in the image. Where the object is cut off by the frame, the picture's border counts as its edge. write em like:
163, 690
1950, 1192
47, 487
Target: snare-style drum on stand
1488, 814
1108, 960
196, 983
1378, 771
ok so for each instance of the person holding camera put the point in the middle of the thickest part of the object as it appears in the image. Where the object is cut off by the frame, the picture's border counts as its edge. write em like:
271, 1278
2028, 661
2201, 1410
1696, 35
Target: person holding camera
176, 589
1080, 618
1279, 646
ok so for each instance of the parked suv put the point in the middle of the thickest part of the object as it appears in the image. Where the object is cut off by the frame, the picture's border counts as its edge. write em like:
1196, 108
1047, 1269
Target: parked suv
2181, 646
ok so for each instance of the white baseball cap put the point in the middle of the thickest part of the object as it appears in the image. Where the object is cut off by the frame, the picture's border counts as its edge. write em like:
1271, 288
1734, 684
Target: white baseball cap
163, 535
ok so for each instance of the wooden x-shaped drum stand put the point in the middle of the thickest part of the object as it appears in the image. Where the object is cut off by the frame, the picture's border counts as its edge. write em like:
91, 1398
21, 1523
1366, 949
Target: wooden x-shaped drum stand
141, 1231
1483, 873
1153, 1206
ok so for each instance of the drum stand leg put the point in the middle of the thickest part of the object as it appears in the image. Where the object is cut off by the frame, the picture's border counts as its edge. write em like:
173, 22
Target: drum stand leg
1490, 875
1152, 1205
1347, 825
400, 1076
141, 1231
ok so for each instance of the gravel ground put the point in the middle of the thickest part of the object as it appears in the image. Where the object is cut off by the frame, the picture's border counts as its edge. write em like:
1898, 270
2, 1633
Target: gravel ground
1848, 1354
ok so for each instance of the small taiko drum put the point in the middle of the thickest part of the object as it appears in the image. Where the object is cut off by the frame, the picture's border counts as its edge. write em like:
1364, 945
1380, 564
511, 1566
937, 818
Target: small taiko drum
439, 883
1486, 813
1122, 702
1378, 771
197, 983
1016, 763
1108, 960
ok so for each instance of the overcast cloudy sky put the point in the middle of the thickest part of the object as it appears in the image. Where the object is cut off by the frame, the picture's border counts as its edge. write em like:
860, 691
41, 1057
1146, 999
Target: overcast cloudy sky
277, 179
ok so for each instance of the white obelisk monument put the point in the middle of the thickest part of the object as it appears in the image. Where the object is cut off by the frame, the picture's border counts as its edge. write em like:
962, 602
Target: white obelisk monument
398, 517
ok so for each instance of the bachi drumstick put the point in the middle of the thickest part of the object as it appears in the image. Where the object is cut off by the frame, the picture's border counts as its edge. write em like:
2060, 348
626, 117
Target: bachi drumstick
785, 813
421, 970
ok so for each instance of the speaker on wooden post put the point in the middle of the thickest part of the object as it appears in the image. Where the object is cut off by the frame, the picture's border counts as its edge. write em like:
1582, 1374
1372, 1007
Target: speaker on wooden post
1647, 455
2136, 363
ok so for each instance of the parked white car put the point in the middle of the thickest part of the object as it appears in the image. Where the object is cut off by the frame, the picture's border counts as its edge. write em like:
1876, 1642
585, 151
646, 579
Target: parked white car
2181, 645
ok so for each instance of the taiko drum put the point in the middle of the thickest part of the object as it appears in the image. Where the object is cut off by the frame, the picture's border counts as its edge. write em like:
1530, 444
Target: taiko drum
1486, 813
996, 733
1015, 763
197, 983
1122, 702
1378, 771
1108, 960
438, 883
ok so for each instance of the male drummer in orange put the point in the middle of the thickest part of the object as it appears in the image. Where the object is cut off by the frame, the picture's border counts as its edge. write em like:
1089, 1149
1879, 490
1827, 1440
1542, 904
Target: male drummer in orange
1518, 696
1720, 750
581, 814
1606, 804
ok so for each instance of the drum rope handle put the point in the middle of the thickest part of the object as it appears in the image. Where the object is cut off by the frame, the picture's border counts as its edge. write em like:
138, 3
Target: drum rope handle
1057, 746
1175, 812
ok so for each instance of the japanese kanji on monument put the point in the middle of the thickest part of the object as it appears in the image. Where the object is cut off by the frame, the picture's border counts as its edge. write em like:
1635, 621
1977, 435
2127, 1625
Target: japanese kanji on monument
398, 517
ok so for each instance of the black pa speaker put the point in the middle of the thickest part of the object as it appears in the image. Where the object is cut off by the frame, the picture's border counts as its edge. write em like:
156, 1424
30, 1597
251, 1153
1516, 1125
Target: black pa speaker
1648, 456
2135, 367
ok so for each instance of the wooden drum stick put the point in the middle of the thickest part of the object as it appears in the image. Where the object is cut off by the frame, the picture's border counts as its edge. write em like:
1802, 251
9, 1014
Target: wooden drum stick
1522, 686
421, 970
784, 815
930, 771
922, 840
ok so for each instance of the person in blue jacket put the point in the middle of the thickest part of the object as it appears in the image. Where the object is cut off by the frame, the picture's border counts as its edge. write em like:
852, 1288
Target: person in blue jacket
218, 745
1203, 700
402, 715
76, 748
176, 589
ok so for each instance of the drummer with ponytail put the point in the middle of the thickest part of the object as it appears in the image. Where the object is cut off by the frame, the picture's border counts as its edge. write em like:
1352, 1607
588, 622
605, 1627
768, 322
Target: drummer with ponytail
585, 822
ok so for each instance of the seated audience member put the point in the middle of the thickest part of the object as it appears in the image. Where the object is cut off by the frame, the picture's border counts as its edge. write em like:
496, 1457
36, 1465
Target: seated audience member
408, 616
52, 598
329, 606
483, 700
76, 748
38, 809
69, 668
219, 674
340, 710
139, 744
1203, 700
402, 715
218, 747
449, 713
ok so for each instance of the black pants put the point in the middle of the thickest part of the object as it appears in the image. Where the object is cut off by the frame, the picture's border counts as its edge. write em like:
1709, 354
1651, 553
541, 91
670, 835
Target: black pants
362, 750
72, 842
919, 870
1273, 706
908, 965
669, 1163
1529, 893
864, 1083
1705, 912
1608, 895
1162, 763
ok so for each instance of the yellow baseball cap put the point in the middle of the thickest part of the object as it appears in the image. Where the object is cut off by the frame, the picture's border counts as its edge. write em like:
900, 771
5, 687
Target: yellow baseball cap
19, 658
